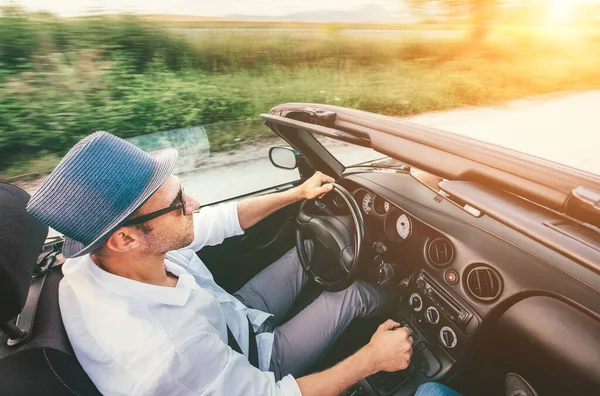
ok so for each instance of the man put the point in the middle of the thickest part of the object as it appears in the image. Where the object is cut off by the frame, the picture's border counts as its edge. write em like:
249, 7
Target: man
142, 311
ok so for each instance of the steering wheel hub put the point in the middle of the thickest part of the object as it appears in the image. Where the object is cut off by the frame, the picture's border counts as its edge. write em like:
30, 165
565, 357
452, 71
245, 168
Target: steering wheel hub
335, 241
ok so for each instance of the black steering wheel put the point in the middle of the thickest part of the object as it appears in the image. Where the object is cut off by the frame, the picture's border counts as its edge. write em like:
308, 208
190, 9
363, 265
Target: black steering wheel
328, 245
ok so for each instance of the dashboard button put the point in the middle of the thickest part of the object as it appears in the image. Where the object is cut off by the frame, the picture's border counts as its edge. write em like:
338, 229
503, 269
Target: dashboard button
451, 277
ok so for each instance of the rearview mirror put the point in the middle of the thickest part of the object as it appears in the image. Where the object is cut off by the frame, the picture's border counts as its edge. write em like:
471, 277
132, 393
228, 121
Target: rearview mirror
283, 157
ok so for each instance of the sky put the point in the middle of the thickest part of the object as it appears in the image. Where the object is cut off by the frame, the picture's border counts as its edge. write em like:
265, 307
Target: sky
229, 7
199, 7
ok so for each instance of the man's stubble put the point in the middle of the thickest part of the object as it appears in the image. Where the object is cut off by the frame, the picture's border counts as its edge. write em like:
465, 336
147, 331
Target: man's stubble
161, 243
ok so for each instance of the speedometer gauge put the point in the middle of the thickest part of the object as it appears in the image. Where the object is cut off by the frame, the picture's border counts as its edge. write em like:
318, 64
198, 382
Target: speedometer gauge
403, 226
366, 203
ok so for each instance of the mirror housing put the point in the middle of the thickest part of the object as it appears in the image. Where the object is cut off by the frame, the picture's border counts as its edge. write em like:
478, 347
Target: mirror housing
284, 157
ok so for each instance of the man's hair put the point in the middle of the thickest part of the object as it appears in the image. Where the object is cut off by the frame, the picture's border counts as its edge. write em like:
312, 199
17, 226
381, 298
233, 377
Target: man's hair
144, 227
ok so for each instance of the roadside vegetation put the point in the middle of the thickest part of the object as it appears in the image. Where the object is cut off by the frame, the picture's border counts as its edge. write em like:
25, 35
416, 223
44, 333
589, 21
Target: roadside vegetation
63, 79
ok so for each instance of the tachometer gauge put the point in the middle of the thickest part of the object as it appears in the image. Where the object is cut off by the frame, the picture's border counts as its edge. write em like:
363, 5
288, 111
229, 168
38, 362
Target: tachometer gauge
366, 203
403, 226
386, 206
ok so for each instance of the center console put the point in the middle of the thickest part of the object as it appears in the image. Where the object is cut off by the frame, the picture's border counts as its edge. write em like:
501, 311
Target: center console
441, 316
443, 328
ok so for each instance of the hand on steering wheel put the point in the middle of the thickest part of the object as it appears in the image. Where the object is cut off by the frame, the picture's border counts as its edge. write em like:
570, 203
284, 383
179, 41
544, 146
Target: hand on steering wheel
318, 185
336, 240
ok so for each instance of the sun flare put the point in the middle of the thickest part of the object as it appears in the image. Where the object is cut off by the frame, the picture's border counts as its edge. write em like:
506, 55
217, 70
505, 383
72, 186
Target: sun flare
561, 10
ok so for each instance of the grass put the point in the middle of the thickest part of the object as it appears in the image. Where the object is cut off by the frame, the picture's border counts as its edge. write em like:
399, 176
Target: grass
425, 78
61, 80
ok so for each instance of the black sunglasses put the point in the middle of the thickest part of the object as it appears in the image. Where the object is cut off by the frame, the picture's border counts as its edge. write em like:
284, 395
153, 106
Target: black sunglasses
154, 215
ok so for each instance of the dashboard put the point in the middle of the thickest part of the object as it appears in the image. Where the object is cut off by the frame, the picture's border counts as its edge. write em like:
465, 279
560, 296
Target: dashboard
461, 273
397, 224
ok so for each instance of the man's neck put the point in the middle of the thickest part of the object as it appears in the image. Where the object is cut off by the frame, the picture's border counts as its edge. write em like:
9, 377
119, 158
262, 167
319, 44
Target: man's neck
147, 269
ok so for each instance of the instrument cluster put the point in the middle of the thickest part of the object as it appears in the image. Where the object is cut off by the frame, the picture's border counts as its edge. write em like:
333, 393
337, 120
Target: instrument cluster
398, 224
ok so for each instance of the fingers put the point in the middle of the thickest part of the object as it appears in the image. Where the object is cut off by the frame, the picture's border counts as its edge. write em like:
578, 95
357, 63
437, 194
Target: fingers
328, 179
389, 325
323, 177
324, 189
317, 186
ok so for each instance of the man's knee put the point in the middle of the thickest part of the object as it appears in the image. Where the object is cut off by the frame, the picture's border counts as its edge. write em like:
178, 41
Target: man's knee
290, 262
364, 297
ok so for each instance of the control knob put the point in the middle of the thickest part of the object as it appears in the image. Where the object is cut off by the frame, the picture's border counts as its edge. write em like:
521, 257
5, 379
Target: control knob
448, 337
432, 315
416, 303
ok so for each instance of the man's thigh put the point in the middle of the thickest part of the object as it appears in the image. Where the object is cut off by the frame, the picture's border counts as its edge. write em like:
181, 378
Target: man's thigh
275, 288
303, 340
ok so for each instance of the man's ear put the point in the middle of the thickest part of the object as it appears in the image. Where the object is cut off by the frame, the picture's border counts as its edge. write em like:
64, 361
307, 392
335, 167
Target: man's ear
123, 239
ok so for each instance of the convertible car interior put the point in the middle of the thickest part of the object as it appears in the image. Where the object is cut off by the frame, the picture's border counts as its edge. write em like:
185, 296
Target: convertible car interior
493, 256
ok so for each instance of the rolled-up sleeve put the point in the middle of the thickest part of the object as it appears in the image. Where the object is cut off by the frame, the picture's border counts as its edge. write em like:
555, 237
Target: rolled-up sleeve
207, 366
212, 224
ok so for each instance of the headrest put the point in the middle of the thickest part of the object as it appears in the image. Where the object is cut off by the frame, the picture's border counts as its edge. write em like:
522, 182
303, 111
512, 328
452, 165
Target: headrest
21, 240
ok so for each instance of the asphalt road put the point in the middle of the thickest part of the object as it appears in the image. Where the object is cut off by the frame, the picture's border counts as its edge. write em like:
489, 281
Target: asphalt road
563, 128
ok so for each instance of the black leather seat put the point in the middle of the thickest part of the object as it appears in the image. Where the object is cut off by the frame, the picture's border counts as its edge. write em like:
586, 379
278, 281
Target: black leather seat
45, 364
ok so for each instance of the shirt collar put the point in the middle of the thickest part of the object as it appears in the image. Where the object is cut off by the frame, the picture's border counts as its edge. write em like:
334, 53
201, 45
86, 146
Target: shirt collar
126, 287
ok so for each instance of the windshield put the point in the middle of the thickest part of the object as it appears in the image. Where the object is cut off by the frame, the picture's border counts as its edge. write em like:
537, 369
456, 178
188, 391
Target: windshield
191, 144
348, 154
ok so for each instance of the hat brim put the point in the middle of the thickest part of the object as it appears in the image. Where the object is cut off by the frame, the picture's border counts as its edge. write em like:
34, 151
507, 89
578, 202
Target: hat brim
166, 163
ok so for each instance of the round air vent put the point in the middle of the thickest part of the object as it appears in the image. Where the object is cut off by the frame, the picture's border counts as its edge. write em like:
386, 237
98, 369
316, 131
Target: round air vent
440, 252
484, 283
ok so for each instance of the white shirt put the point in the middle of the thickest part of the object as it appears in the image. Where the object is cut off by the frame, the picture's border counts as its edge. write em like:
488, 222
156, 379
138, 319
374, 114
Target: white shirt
134, 338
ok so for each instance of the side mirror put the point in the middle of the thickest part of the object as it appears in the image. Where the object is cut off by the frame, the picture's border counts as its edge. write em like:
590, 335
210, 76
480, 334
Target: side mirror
283, 157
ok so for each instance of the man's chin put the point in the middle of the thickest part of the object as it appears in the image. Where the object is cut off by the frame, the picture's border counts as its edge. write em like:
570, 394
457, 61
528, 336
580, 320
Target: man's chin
186, 240
189, 240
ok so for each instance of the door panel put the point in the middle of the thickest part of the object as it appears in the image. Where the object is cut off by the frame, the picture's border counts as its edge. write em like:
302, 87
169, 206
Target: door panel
238, 259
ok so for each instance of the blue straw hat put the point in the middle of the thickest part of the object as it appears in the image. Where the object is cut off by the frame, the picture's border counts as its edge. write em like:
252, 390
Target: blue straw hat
99, 183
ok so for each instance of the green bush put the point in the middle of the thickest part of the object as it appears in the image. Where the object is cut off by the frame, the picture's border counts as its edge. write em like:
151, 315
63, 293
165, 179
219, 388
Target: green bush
19, 40
50, 111
126, 37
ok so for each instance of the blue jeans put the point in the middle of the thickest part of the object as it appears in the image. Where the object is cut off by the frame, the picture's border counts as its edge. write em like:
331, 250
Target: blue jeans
435, 389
